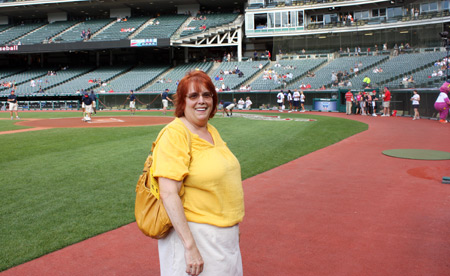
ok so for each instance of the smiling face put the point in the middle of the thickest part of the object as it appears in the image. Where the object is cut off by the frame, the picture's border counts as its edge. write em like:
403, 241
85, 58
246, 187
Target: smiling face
198, 105
191, 96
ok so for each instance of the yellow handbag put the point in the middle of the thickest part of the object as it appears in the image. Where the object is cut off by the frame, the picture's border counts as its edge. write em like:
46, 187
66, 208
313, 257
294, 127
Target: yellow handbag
151, 216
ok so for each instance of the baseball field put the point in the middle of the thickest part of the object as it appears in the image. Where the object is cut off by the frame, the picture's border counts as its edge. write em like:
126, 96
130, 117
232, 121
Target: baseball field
64, 184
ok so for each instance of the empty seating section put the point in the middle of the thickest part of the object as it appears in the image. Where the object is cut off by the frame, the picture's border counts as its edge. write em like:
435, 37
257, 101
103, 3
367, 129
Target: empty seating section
48, 81
16, 32
283, 68
87, 81
165, 29
134, 79
233, 81
397, 66
120, 30
323, 75
24, 77
210, 21
8, 72
4, 27
74, 34
46, 32
169, 81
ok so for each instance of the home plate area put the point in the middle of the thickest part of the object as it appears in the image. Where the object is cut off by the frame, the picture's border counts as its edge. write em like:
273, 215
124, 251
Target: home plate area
118, 121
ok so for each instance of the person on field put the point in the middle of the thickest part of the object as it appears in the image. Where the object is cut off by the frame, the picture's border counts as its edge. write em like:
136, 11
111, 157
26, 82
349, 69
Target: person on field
191, 156
87, 100
13, 105
280, 100
415, 99
442, 103
386, 103
165, 100
348, 102
228, 108
132, 99
94, 101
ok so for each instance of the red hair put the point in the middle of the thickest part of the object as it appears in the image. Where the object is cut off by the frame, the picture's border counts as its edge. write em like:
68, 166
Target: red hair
199, 79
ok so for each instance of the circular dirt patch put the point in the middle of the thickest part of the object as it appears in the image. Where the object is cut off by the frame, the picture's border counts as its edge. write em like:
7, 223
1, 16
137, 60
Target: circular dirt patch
109, 121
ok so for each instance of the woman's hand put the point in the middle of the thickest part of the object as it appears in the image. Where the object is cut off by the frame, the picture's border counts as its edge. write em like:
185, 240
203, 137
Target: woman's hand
168, 191
194, 261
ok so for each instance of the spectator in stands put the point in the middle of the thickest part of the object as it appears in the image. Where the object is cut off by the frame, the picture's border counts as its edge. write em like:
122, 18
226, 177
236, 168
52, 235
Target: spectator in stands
255, 55
217, 78
302, 85
366, 82
395, 49
334, 78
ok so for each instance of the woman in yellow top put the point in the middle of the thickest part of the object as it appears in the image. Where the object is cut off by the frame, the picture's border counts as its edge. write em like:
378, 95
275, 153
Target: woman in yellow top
205, 234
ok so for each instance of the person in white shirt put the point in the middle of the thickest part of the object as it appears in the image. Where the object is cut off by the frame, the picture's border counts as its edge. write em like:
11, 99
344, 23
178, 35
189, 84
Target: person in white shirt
240, 104
248, 103
415, 104
280, 100
296, 97
289, 98
302, 101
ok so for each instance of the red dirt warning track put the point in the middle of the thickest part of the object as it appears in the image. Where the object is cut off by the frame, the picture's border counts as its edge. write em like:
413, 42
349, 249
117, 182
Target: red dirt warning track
109, 121
346, 209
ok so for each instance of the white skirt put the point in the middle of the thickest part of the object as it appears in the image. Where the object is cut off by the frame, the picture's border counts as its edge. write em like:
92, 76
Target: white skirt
219, 247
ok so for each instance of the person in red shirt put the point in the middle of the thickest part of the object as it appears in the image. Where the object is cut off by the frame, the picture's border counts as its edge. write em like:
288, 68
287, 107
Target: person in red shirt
348, 102
386, 103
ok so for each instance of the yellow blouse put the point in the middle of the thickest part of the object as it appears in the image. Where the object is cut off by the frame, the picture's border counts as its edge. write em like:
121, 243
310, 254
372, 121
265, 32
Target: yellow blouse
211, 174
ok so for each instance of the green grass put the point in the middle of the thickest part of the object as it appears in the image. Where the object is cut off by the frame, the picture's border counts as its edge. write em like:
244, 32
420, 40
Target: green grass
6, 125
61, 186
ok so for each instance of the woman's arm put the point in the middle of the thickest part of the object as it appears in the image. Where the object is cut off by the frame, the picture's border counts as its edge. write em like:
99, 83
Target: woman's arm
168, 190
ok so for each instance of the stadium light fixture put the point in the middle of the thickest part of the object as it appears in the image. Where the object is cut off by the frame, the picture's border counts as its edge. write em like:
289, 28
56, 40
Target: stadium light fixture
368, 34
404, 32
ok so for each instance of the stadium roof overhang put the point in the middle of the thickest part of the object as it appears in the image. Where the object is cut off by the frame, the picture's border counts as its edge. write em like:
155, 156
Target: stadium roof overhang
95, 8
